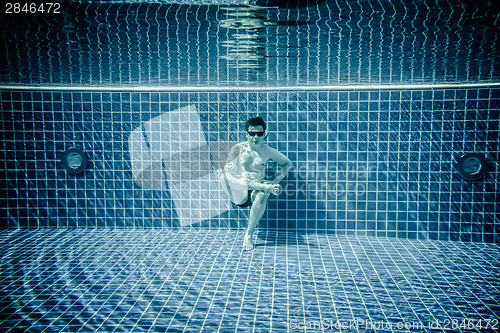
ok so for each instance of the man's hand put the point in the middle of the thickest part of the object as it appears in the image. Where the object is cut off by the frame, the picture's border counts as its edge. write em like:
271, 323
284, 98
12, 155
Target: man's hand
274, 189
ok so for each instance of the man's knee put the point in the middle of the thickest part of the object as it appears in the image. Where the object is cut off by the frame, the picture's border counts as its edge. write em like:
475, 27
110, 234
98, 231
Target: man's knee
260, 196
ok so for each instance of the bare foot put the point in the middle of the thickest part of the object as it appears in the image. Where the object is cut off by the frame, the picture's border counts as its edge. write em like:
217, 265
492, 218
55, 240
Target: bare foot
247, 243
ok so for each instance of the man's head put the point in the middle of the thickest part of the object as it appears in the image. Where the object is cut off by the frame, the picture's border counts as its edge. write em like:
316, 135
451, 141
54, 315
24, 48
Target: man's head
258, 121
256, 130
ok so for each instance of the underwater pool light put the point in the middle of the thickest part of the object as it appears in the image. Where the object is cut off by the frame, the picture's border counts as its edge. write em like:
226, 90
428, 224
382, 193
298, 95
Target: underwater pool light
74, 160
471, 166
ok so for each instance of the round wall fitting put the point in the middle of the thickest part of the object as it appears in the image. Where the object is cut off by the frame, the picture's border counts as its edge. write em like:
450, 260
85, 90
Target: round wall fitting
74, 160
471, 166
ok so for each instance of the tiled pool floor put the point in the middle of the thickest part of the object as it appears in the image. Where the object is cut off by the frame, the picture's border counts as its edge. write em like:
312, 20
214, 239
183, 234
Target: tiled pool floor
201, 280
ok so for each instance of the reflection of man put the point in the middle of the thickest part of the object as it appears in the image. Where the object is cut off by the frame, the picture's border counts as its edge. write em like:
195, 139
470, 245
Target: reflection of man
243, 175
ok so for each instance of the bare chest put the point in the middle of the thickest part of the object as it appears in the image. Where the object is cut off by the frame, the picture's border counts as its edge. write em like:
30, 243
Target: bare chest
253, 161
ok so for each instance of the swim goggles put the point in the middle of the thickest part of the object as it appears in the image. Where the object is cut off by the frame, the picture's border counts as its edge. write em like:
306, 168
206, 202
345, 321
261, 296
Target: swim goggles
258, 133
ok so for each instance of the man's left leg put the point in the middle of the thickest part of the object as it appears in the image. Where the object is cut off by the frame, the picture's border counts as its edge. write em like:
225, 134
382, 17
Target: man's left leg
259, 203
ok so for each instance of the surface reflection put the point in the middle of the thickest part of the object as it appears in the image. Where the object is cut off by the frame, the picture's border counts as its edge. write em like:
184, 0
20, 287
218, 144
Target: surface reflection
247, 38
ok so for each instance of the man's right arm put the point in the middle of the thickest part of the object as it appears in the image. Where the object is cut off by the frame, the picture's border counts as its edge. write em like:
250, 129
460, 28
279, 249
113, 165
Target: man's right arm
233, 177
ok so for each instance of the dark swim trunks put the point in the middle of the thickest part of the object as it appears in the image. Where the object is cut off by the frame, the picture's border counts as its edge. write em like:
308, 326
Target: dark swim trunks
249, 200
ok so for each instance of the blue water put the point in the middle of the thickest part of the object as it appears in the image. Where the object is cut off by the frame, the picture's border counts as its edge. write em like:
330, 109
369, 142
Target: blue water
280, 44
374, 103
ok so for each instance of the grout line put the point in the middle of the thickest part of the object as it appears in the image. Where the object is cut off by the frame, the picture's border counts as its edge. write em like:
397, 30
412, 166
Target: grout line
250, 88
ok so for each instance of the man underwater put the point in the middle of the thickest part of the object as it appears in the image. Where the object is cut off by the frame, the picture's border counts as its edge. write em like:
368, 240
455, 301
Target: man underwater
244, 173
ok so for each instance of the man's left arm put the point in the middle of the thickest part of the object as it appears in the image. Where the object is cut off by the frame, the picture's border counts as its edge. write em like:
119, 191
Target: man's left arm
285, 165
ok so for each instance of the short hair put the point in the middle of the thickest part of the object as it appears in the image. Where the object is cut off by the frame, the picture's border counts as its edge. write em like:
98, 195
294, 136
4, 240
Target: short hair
258, 121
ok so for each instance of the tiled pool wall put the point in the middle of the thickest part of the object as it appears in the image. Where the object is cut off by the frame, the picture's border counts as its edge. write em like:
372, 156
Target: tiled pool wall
376, 162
